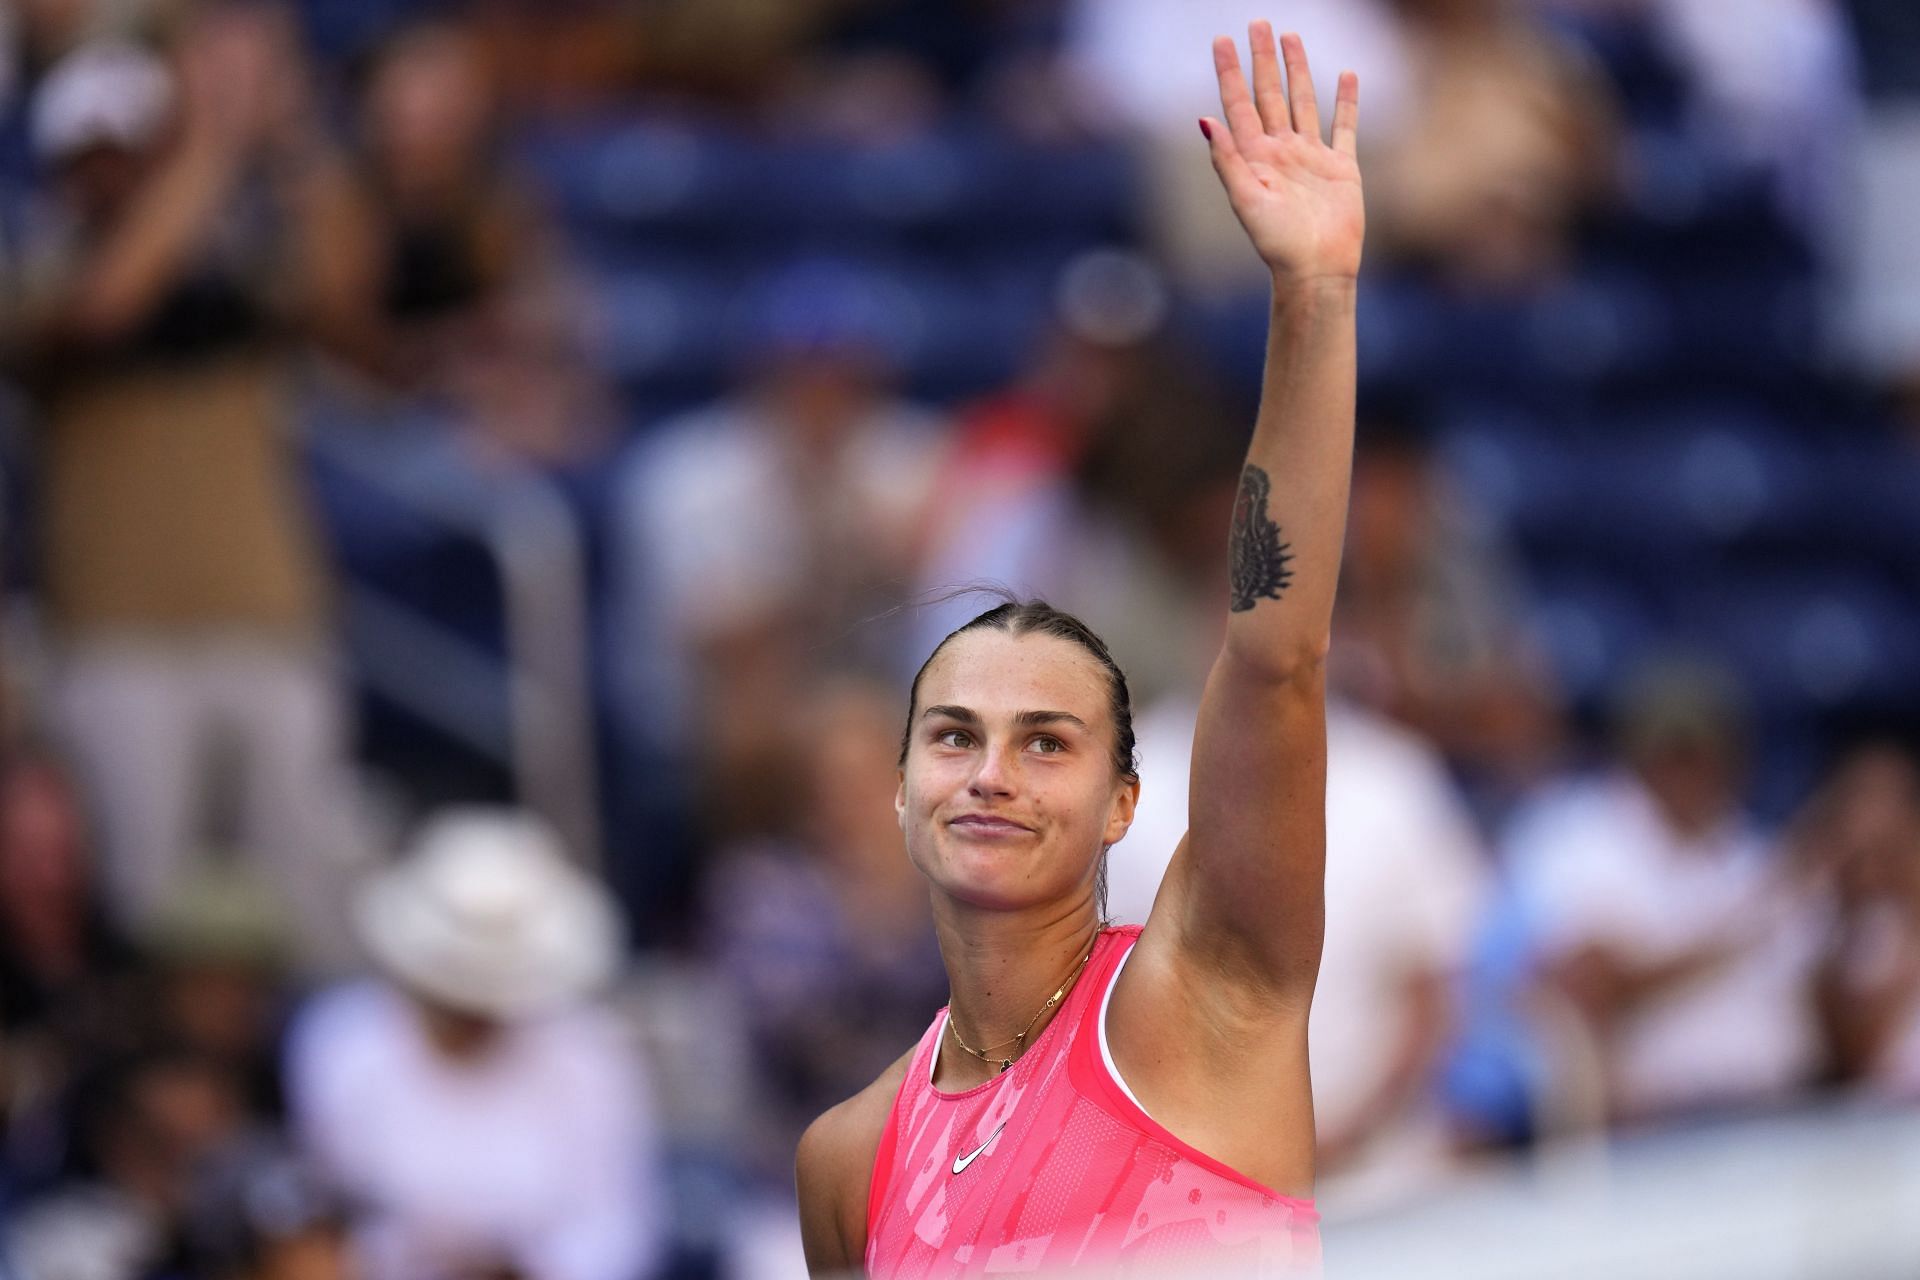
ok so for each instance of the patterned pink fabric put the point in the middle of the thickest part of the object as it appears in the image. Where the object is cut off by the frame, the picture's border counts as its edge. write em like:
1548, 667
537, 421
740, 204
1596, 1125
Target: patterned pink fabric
1060, 1168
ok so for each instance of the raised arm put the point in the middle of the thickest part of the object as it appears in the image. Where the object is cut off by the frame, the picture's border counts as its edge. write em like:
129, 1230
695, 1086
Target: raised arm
243, 105
1245, 891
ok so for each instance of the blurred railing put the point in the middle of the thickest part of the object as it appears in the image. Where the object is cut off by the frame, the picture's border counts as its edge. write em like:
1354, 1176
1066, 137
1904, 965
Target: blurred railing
532, 713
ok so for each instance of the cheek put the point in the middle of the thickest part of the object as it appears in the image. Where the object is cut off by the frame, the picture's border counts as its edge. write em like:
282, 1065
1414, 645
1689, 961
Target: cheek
921, 793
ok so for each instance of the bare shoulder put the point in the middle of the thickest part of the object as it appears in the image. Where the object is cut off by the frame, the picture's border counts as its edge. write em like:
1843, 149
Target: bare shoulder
834, 1171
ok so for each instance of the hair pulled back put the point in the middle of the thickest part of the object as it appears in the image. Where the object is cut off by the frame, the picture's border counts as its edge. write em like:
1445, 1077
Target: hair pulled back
1018, 617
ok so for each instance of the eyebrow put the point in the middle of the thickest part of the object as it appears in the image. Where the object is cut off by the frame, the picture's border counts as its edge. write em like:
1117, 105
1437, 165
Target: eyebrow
1025, 719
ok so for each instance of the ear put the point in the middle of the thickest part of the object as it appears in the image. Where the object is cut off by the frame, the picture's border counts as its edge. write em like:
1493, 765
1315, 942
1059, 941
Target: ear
900, 798
1120, 816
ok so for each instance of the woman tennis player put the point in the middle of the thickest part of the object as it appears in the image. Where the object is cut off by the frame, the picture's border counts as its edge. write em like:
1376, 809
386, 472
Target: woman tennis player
1133, 1101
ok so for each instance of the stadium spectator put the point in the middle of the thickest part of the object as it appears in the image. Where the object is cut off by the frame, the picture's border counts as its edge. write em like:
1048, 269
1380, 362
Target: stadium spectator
1663, 917
215, 965
65, 975
824, 929
1514, 144
183, 585
54, 938
458, 234
146, 1126
809, 487
479, 1101
1077, 480
1860, 834
1430, 626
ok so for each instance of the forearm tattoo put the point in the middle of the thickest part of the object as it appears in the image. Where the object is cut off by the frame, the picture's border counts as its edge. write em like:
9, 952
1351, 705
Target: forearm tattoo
1258, 559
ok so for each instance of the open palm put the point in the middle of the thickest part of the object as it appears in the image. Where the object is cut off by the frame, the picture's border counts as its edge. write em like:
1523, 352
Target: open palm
1297, 195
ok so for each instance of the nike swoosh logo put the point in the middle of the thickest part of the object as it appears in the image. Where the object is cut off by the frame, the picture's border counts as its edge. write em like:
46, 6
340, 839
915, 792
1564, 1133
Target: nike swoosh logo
960, 1164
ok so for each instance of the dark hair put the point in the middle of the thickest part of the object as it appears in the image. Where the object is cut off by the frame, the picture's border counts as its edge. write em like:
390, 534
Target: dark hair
1019, 617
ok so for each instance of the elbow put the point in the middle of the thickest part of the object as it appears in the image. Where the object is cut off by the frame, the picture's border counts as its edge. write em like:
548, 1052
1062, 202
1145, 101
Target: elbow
1300, 664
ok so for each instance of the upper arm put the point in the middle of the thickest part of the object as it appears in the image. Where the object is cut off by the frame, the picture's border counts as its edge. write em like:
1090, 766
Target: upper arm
821, 1178
833, 1172
1247, 891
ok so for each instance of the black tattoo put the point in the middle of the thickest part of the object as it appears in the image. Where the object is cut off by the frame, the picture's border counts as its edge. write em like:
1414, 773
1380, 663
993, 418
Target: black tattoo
1257, 558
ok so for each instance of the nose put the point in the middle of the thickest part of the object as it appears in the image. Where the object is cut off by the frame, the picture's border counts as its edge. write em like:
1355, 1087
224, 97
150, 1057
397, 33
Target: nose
993, 775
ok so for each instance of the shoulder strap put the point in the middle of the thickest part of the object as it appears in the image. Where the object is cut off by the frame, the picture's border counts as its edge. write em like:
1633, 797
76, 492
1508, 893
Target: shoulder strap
915, 1081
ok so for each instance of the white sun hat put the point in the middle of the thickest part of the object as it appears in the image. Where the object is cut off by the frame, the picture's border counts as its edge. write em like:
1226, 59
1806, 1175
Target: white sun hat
110, 93
485, 914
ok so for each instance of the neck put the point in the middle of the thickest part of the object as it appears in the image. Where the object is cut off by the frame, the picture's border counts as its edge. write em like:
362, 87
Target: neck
1001, 967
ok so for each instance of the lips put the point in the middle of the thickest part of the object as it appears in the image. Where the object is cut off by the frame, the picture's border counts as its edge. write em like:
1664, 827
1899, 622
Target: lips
988, 824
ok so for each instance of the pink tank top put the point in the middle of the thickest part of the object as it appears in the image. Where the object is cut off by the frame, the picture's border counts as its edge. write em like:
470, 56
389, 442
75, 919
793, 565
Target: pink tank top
1054, 1165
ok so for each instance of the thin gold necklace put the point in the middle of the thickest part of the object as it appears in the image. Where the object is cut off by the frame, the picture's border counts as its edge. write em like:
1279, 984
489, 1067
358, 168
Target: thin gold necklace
1021, 1040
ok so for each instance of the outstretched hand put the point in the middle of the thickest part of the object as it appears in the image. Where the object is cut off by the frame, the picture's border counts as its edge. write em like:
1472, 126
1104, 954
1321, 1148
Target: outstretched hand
1297, 195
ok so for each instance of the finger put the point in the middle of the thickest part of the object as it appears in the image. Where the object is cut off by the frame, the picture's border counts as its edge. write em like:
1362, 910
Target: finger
1235, 101
1235, 176
1269, 92
1306, 108
1346, 114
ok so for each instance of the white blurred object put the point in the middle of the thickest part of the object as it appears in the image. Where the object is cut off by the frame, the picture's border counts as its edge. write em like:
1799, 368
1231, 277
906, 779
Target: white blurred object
85, 1233
1597, 865
486, 914
1111, 297
1785, 65
1779, 83
541, 1151
1826, 1194
146, 718
764, 1242
106, 94
1880, 296
1144, 68
1146, 65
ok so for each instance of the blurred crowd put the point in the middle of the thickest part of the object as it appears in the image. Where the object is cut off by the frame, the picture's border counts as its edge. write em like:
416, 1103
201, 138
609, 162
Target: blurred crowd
476, 479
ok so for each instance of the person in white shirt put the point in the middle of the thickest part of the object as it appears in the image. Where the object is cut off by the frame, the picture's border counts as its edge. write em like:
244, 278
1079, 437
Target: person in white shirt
1662, 919
485, 1111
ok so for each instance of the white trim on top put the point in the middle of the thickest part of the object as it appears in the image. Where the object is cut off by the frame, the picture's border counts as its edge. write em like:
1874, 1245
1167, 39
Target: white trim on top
933, 1059
1106, 1052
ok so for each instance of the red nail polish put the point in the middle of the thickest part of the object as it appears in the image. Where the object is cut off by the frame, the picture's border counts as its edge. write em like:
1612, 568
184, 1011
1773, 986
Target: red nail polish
1206, 131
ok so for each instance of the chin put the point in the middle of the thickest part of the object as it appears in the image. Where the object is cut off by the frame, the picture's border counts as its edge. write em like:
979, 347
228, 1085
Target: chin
993, 877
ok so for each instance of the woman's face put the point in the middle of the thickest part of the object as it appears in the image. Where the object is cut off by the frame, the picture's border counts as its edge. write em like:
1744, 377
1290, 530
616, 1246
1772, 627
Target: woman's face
42, 842
1009, 794
430, 107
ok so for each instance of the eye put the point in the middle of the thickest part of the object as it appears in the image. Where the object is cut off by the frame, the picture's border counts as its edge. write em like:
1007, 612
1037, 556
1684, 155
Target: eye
1047, 744
954, 738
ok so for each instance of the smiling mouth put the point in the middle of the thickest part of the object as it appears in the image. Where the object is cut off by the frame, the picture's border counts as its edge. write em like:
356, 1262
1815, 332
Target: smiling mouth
988, 826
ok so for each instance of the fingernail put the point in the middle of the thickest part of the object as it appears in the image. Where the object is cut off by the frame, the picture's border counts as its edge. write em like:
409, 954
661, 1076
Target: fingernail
1206, 131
